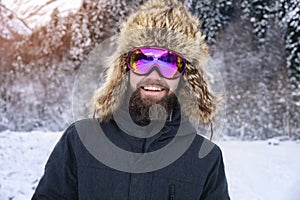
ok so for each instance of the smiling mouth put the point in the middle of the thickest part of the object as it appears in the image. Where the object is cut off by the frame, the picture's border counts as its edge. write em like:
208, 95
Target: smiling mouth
153, 88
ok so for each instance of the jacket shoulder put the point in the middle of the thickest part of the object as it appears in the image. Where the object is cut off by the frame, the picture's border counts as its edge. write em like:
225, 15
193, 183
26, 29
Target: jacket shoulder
72, 129
207, 147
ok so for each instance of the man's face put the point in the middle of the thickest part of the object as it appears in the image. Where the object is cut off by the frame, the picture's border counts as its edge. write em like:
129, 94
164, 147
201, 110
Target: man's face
153, 86
152, 89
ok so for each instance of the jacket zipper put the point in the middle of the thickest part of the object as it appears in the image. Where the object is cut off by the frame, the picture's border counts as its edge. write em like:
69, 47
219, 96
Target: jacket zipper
172, 191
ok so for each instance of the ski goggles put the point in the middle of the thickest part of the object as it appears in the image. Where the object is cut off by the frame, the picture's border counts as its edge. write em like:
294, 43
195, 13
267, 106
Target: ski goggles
142, 61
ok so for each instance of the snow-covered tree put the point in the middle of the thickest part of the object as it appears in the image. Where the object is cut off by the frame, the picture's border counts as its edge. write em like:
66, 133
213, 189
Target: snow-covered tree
255, 78
258, 12
214, 15
96, 21
289, 19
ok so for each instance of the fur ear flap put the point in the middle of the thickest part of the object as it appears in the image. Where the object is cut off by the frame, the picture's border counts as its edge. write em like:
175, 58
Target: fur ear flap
199, 103
107, 99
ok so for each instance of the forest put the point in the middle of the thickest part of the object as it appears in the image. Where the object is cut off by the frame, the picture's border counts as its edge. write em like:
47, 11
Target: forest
254, 43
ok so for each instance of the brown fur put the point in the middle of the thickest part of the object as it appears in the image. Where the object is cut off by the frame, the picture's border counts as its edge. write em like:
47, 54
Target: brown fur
170, 25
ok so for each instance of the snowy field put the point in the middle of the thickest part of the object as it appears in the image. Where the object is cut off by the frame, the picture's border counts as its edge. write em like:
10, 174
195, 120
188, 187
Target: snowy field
261, 170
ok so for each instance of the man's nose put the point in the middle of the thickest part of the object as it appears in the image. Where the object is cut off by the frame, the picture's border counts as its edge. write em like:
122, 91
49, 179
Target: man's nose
154, 74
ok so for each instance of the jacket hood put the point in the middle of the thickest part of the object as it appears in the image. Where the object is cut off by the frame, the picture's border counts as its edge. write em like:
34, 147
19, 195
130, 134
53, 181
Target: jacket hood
170, 25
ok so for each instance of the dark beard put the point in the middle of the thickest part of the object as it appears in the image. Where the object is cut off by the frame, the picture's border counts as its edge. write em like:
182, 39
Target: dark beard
139, 108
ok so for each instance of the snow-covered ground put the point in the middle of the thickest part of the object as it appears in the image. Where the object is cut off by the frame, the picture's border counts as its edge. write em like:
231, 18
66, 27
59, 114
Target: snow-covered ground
255, 170
262, 170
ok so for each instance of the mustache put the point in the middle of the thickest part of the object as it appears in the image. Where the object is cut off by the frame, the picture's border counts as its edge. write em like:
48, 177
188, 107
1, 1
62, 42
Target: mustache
153, 82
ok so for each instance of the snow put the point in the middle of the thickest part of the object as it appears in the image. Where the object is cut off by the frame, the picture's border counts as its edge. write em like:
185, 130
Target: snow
262, 169
37, 13
259, 170
22, 158
11, 26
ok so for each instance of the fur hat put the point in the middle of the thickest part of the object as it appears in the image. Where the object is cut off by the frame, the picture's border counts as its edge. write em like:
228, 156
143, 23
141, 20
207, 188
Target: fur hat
170, 25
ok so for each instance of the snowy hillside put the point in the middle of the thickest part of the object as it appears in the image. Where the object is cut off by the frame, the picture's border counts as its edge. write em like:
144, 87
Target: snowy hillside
261, 170
11, 27
37, 13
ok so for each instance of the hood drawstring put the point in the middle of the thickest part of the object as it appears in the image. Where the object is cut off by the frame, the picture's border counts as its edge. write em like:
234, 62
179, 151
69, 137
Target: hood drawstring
211, 131
170, 116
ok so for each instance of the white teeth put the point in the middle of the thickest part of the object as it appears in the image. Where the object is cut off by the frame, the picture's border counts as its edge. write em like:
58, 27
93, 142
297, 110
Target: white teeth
152, 88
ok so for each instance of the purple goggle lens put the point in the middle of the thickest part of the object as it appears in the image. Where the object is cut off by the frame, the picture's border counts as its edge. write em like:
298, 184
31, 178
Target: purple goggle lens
142, 60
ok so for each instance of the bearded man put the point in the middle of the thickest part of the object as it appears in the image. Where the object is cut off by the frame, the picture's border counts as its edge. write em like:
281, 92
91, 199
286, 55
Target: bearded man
141, 143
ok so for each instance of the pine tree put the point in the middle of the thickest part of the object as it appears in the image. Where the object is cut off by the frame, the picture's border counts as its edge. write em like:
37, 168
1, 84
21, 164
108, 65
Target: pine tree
293, 42
289, 19
97, 21
214, 15
258, 12
254, 76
